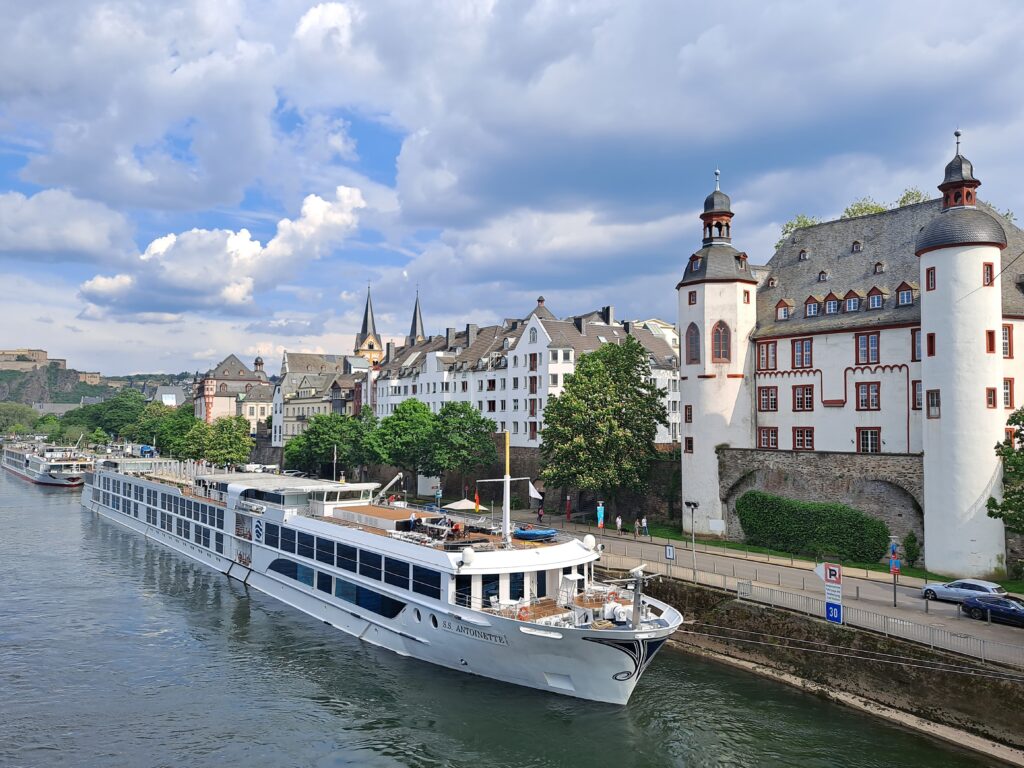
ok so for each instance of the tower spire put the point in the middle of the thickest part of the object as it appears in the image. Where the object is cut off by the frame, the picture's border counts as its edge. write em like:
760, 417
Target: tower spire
369, 327
416, 329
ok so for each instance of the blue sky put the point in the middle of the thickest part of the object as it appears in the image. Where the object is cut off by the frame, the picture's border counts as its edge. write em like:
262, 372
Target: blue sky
182, 181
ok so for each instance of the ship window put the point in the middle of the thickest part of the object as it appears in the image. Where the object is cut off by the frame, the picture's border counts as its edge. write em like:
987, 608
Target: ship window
347, 557
463, 590
378, 603
219, 539
305, 548
304, 574
325, 551
369, 565
271, 536
323, 582
542, 584
426, 582
284, 567
346, 590
220, 518
287, 540
515, 586
396, 572
490, 586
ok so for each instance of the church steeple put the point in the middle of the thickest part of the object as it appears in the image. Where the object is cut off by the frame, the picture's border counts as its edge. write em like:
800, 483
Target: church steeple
416, 333
959, 185
717, 216
368, 344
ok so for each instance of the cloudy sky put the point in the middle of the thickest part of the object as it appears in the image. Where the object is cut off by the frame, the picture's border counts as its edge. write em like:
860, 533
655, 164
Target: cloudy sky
182, 180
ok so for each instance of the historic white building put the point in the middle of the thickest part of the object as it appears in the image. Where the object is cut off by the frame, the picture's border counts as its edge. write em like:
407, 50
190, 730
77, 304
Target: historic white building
312, 384
510, 371
887, 333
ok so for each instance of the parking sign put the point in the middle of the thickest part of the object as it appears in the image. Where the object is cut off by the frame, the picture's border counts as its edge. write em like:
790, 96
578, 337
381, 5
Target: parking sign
832, 575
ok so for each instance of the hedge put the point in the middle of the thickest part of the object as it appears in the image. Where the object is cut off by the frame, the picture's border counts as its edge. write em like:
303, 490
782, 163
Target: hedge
811, 528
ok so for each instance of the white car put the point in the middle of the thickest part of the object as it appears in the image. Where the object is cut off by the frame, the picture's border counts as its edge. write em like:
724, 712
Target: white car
958, 591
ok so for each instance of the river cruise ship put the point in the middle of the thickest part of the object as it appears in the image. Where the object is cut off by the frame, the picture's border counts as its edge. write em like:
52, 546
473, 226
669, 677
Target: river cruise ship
457, 592
47, 464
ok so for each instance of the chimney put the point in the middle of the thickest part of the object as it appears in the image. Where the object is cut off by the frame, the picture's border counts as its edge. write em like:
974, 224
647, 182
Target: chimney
470, 334
449, 335
608, 314
627, 325
389, 352
581, 325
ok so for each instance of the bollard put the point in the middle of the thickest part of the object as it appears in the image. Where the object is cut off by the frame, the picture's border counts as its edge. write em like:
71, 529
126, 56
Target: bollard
755, 575
780, 578
926, 606
988, 615
857, 592
714, 567
803, 584
734, 570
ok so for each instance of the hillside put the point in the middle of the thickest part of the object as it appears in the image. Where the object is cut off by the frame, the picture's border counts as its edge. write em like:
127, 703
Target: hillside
46, 385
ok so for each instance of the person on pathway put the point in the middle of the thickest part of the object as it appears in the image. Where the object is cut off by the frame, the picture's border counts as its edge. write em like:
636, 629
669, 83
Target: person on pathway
540, 515
636, 526
618, 524
643, 524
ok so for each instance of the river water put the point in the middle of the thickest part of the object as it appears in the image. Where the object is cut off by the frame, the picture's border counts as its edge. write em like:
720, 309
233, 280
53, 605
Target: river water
117, 652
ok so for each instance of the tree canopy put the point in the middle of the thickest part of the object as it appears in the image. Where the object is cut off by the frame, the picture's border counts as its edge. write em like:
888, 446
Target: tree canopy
406, 436
229, 441
1011, 509
463, 440
862, 207
354, 436
599, 433
16, 414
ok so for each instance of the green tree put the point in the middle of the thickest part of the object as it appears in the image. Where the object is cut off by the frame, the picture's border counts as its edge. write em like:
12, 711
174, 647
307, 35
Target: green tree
862, 207
406, 436
911, 549
910, 196
1011, 509
463, 440
16, 413
172, 429
50, 426
99, 437
316, 445
230, 442
800, 221
72, 433
599, 433
196, 442
145, 428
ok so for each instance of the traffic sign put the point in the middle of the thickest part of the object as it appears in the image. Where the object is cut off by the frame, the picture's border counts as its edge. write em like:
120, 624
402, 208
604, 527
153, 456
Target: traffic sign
670, 552
437, 494
894, 565
832, 575
834, 612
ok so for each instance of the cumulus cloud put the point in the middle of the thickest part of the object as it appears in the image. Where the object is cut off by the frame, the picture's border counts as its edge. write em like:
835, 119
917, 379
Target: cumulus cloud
289, 326
220, 270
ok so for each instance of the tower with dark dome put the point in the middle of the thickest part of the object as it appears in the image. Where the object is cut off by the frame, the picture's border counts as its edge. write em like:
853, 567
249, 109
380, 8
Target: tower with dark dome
962, 374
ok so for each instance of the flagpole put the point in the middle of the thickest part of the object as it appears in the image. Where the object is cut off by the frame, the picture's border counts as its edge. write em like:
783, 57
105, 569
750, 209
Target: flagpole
506, 502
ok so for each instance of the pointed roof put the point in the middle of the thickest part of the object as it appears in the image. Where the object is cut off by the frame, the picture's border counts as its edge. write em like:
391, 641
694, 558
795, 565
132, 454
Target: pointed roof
369, 327
416, 329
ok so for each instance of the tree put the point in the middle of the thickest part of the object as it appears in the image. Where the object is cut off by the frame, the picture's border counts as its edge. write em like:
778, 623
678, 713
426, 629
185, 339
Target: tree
910, 196
463, 440
16, 413
406, 436
196, 441
50, 426
862, 207
800, 221
172, 429
120, 411
1011, 509
230, 442
599, 433
99, 437
145, 428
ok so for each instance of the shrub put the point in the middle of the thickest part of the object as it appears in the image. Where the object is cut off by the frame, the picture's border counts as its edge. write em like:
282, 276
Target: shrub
811, 528
911, 549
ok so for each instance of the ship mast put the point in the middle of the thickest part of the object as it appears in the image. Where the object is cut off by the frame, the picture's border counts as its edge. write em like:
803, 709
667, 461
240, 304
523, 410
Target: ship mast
506, 500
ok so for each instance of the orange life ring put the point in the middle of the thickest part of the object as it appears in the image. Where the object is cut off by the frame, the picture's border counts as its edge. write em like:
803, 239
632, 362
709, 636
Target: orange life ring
613, 596
523, 614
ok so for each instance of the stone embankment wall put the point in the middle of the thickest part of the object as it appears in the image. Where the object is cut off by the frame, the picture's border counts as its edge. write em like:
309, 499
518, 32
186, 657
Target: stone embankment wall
985, 706
886, 486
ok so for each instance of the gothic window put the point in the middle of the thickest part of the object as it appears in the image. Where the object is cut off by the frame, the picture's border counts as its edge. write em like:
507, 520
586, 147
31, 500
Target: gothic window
720, 346
533, 335
692, 344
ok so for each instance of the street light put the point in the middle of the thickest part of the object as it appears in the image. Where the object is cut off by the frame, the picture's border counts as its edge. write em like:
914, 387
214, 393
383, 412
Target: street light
692, 505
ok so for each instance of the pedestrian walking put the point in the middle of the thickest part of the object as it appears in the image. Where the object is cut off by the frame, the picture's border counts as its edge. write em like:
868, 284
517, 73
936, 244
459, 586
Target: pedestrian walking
618, 524
643, 524
636, 526
540, 515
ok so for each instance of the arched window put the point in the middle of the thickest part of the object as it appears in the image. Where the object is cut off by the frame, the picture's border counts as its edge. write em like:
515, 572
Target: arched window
720, 343
504, 344
533, 335
692, 344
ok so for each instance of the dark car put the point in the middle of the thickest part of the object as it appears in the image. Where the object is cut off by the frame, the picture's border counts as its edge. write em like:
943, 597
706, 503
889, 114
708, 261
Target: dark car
1008, 609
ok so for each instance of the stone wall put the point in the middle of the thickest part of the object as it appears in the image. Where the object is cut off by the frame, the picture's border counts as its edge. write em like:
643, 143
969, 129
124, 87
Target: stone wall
887, 486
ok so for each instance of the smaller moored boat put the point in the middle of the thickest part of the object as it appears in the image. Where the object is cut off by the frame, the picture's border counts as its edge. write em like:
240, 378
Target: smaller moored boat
535, 534
63, 466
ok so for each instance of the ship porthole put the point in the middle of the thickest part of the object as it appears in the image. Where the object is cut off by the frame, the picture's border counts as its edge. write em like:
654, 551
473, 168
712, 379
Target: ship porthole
433, 621
417, 612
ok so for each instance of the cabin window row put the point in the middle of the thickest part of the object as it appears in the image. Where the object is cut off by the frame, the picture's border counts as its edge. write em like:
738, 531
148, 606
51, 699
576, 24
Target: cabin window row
357, 595
206, 514
372, 565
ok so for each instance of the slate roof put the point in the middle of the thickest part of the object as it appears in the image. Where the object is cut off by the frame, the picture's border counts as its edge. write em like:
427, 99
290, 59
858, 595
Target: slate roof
305, 362
719, 261
169, 392
888, 237
717, 202
261, 393
232, 368
960, 226
959, 169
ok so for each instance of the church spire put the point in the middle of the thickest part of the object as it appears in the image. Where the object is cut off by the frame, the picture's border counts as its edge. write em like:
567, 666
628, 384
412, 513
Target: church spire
368, 343
416, 333
369, 325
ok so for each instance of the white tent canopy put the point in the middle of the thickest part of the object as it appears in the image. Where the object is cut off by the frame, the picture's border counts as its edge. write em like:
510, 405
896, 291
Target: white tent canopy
465, 505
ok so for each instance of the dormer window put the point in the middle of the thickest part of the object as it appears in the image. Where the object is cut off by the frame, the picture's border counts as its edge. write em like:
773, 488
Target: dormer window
856, 247
875, 301
811, 309
803, 256
695, 264
879, 267
904, 297
772, 282
782, 312
831, 306
822, 276
852, 304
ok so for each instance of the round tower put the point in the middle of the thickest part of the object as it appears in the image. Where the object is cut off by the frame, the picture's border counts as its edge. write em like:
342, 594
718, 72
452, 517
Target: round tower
962, 378
717, 313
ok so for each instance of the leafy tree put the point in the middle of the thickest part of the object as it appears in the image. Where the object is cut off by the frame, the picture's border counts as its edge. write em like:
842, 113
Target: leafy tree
145, 428
911, 549
316, 445
230, 442
910, 196
407, 435
120, 411
72, 433
599, 433
50, 426
369, 446
99, 437
16, 413
862, 207
196, 441
800, 221
1011, 509
464, 439
1009, 215
172, 429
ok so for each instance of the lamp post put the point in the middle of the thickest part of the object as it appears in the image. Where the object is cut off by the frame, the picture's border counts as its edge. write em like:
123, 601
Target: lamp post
692, 505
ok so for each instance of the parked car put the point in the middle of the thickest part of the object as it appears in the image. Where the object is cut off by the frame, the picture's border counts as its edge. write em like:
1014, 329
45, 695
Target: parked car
1008, 609
958, 591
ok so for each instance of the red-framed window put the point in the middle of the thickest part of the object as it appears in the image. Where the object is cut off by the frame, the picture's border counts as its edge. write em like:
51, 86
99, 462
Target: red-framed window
766, 356
746, 297
802, 357
867, 348
934, 403
1008, 341
768, 437
869, 396
692, 344
687, 445
803, 397
916, 395
1007, 393
915, 344
991, 397
803, 438
721, 346
929, 279
1010, 435
687, 414
869, 439
988, 274
767, 399
990, 342
692, 298
930, 344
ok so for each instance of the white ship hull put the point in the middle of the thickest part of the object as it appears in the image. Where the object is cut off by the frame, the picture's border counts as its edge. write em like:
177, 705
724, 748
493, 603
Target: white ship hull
37, 470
